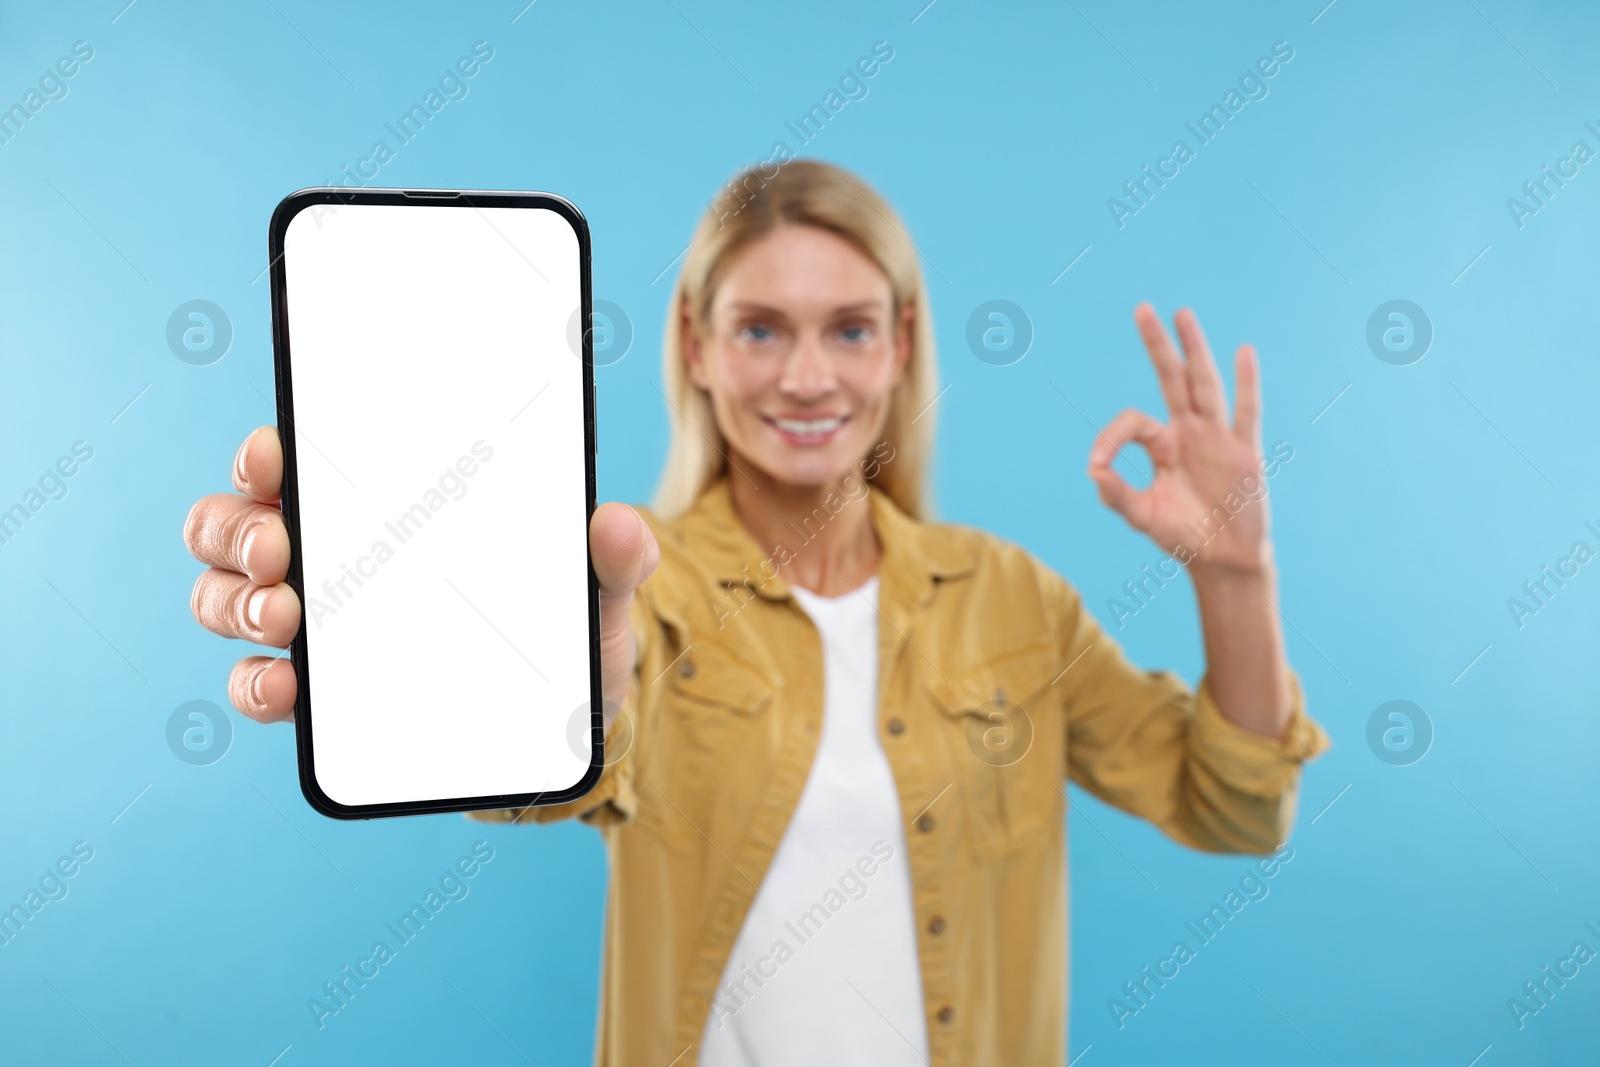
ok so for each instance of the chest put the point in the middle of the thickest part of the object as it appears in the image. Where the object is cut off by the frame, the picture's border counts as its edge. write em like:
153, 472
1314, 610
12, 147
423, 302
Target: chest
958, 695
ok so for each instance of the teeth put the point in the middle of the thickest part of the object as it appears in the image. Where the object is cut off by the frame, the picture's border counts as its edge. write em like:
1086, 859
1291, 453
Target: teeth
807, 426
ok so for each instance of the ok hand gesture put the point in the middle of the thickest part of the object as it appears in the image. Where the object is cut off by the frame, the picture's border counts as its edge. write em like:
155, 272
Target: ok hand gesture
1207, 502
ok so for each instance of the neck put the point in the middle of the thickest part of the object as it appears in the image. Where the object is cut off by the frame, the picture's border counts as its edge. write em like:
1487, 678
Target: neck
820, 536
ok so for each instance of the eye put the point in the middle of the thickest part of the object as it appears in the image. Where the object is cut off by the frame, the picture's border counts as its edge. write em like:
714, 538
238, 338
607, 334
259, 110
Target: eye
855, 335
755, 332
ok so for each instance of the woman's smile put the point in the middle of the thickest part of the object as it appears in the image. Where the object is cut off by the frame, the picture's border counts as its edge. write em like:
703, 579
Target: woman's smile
807, 430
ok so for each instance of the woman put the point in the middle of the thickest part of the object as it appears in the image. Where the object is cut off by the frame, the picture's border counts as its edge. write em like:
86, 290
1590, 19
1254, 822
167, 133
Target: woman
835, 808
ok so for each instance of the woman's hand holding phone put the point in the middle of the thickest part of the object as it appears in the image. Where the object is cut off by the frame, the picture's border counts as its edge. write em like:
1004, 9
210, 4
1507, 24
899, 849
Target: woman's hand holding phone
242, 539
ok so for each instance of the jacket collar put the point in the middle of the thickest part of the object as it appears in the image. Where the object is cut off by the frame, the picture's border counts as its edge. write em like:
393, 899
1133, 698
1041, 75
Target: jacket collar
915, 554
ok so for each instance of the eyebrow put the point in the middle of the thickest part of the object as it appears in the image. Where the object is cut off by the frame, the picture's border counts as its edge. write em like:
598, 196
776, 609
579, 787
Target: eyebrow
864, 305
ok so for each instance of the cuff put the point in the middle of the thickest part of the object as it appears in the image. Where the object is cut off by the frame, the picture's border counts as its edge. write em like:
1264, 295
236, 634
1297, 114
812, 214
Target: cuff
611, 801
1251, 762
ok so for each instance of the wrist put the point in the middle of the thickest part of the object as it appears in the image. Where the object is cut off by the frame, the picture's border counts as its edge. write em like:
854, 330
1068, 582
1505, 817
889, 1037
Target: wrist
1208, 576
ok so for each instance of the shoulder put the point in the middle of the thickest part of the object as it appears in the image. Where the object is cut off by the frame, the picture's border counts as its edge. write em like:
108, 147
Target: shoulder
1002, 605
1000, 581
994, 560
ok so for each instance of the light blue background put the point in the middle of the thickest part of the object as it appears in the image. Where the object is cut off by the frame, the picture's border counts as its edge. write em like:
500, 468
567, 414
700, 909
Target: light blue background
1414, 507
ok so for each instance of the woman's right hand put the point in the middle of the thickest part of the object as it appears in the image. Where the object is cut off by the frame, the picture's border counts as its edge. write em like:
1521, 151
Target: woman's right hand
242, 594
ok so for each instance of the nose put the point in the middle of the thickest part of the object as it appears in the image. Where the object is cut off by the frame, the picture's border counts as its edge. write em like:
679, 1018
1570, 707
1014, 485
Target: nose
808, 371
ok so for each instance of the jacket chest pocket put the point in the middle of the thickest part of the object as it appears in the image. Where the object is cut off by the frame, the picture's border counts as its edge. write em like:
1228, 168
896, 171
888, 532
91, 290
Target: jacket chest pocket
1005, 746
711, 705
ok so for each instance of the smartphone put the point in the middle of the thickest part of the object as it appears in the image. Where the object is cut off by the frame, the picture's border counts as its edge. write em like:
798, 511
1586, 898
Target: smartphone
435, 381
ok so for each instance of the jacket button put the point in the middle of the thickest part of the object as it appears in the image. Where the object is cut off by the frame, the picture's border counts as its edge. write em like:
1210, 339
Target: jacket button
686, 668
897, 727
947, 1015
936, 925
925, 823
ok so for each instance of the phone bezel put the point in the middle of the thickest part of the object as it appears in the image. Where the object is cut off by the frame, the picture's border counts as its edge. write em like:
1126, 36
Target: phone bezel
424, 199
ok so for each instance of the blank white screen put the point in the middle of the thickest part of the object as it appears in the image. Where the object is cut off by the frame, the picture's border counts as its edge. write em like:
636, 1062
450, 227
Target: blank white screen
438, 422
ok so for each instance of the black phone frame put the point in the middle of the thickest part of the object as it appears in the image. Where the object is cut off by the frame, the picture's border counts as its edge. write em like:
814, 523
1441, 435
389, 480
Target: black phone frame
435, 199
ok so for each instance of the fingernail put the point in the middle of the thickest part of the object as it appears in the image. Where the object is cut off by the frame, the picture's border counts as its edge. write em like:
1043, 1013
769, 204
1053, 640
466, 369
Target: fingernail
244, 549
256, 604
238, 465
256, 683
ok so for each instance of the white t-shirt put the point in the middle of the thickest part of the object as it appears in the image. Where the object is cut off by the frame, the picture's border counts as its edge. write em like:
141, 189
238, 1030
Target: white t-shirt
825, 967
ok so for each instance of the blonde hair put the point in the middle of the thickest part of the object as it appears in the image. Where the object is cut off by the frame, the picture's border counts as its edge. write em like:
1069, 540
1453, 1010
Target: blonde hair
810, 193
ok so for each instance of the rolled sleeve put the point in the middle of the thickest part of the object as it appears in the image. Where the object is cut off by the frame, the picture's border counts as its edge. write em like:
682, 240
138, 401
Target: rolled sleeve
1144, 742
1250, 762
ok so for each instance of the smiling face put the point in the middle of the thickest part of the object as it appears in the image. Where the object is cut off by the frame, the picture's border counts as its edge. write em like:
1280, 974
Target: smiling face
800, 355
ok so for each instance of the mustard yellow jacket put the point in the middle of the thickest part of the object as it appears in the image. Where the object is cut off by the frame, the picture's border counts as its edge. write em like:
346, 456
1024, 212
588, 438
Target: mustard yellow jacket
995, 688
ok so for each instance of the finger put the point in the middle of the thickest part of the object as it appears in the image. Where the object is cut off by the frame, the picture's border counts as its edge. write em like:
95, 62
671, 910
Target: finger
231, 605
1169, 368
234, 532
258, 466
264, 688
625, 553
1129, 425
1247, 402
622, 547
1205, 384
1124, 499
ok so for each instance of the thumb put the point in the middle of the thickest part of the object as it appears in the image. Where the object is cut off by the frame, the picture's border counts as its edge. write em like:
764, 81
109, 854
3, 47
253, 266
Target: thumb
624, 553
623, 549
1121, 497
